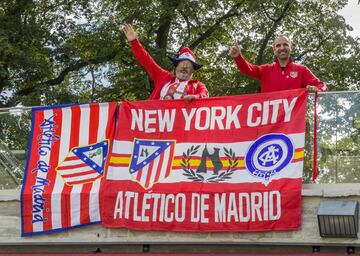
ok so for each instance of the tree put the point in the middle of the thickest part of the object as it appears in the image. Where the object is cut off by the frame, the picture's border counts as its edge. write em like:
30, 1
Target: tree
74, 51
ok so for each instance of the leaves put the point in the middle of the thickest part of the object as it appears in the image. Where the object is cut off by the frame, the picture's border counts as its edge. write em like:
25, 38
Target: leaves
58, 44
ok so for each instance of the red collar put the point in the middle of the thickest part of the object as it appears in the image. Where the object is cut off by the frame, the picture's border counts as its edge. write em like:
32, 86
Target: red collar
288, 64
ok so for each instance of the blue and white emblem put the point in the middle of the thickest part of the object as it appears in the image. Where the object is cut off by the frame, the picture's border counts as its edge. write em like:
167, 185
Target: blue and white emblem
268, 155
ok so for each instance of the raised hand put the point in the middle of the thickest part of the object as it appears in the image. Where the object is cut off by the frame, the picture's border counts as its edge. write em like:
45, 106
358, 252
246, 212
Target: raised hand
129, 32
234, 51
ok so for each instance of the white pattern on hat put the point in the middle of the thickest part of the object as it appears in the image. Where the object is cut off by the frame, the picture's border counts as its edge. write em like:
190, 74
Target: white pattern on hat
188, 56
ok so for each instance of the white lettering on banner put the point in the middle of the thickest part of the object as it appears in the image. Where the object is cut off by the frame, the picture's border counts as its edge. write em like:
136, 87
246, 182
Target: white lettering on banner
245, 207
118, 206
244, 213
146, 206
156, 198
178, 217
267, 112
289, 108
151, 121
205, 117
212, 118
199, 207
128, 196
188, 117
169, 218
172, 206
227, 207
195, 207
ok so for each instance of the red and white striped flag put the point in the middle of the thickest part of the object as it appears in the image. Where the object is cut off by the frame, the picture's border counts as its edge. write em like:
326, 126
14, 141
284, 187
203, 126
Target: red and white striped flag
66, 162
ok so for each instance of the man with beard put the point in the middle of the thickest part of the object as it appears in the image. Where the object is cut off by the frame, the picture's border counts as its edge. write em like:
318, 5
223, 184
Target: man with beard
283, 74
166, 84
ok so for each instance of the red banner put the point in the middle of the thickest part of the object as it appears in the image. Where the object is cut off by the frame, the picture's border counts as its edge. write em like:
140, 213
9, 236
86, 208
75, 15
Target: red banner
218, 164
67, 156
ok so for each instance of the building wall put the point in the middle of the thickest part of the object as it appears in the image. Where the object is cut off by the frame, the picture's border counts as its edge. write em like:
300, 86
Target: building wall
96, 238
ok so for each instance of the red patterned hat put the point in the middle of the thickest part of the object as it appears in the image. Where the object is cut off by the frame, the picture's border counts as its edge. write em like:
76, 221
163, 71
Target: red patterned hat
186, 54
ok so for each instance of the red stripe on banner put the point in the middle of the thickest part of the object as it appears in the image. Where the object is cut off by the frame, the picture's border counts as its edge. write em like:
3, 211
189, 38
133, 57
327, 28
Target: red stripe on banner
159, 168
94, 123
71, 158
148, 174
66, 193
120, 155
77, 174
69, 167
111, 124
85, 204
297, 160
51, 176
139, 174
168, 168
208, 168
110, 133
31, 174
82, 181
224, 158
299, 149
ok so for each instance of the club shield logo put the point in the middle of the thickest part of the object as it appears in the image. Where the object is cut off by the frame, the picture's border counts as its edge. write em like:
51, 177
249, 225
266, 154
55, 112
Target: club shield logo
268, 155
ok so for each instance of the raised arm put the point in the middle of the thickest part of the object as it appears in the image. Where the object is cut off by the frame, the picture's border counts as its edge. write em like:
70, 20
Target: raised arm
143, 57
243, 65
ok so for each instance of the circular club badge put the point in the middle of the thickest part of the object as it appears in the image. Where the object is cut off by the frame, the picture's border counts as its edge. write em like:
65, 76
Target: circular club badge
268, 155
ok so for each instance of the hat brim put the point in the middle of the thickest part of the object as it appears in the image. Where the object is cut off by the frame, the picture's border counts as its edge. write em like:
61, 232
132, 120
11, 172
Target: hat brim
175, 61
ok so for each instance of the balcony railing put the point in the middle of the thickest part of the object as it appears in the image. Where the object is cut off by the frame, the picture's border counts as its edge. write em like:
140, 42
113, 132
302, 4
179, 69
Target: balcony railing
338, 140
338, 133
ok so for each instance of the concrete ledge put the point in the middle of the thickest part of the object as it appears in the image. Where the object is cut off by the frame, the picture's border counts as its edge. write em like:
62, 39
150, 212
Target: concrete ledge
331, 190
10, 195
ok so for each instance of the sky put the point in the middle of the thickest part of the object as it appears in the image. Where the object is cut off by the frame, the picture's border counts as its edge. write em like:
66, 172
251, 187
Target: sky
351, 13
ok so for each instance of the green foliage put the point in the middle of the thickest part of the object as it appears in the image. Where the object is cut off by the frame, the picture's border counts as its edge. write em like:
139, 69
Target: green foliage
15, 130
55, 52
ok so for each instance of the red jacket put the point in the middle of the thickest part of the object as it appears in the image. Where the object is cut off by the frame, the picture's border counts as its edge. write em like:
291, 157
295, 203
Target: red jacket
274, 78
161, 76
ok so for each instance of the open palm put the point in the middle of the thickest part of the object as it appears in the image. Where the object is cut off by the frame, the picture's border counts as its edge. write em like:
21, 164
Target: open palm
130, 32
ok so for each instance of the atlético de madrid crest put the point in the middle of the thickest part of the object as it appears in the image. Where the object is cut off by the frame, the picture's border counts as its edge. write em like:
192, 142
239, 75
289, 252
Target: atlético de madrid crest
268, 155
293, 74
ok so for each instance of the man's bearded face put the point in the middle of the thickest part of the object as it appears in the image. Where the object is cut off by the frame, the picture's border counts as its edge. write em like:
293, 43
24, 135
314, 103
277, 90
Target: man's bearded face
184, 70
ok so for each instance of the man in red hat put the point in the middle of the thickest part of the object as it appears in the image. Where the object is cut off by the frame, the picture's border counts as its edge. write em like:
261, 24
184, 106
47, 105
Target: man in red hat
283, 74
167, 85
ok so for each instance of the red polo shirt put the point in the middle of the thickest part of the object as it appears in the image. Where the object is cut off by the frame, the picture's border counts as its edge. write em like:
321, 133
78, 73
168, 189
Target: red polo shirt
274, 78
